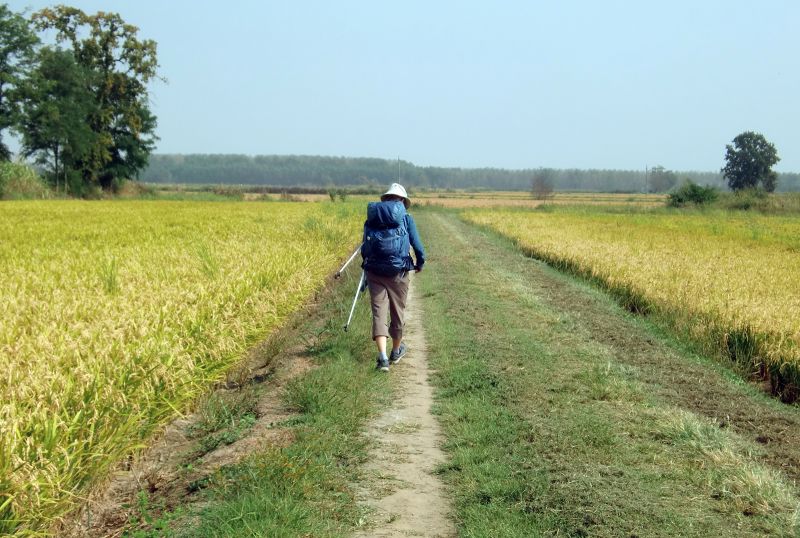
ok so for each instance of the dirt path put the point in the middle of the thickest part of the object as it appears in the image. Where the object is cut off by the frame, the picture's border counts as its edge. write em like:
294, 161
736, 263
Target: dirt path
403, 495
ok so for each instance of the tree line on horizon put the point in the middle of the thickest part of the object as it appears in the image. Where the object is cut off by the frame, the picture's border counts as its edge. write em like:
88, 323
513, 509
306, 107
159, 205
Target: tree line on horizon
321, 172
81, 109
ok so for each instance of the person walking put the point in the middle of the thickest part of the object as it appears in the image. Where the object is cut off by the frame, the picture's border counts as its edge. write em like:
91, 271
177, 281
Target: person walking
389, 235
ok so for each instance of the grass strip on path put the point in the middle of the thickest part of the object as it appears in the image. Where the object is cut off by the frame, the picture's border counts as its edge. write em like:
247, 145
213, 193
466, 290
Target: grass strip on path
550, 434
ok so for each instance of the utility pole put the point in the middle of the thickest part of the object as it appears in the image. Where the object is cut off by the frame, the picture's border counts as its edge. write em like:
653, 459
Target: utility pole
645, 178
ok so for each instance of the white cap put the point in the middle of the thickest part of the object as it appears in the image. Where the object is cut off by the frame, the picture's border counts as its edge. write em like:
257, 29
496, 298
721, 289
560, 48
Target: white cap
397, 190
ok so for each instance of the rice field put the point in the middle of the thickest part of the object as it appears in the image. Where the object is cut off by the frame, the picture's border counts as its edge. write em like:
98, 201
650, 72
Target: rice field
523, 199
115, 316
730, 281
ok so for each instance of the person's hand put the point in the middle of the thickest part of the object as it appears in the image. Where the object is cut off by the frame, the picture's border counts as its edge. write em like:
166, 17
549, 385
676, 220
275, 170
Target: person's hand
417, 268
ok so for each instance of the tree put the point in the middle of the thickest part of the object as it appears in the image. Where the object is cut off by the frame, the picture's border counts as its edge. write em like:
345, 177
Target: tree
17, 46
660, 179
542, 184
122, 66
749, 162
55, 104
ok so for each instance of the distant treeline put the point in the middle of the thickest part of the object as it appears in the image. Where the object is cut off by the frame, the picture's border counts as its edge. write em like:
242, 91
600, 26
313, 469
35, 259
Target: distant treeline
315, 171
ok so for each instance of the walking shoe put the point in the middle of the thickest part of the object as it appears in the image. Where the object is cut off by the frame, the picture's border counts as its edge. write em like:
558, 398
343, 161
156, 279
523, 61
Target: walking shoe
383, 363
395, 356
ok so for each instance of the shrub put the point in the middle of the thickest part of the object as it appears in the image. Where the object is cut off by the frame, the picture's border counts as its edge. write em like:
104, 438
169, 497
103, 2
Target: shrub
228, 191
341, 194
135, 189
542, 186
692, 193
19, 180
747, 199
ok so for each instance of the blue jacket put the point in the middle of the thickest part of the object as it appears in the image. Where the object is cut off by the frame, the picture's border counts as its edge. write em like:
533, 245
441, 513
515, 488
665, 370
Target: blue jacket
416, 244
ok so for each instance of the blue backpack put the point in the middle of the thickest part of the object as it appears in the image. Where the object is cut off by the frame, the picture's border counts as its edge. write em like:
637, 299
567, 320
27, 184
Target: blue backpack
386, 243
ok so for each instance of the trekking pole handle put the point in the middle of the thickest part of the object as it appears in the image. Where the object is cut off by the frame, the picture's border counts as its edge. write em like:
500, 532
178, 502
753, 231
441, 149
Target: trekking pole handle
340, 271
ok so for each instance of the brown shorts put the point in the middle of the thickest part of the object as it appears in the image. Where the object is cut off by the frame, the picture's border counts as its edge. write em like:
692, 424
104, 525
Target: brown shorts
388, 294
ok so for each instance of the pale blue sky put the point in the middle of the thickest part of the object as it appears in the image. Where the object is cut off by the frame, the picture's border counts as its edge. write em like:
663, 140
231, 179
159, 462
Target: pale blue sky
507, 84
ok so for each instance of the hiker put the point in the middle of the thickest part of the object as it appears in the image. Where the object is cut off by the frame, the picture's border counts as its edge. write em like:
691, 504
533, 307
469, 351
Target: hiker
389, 232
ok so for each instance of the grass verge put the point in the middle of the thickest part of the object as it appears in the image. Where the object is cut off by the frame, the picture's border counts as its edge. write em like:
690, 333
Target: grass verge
224, 418
549, 435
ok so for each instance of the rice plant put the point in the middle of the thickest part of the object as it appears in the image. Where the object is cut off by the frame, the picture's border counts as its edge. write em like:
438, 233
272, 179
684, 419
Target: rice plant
730, 282
115, 316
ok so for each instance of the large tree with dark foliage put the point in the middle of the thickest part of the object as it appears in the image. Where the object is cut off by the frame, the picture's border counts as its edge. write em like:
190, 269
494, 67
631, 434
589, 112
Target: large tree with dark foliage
55, 103
749, 162
122, 65
17, 45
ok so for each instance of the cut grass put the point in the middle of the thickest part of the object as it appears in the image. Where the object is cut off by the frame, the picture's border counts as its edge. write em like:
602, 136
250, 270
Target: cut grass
747, 487
548, 434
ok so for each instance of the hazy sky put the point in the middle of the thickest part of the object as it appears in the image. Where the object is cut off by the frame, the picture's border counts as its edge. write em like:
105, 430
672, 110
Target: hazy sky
506, 84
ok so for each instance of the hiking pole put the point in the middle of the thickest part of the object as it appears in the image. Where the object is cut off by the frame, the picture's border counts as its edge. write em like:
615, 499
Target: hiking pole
362, 285
340, 271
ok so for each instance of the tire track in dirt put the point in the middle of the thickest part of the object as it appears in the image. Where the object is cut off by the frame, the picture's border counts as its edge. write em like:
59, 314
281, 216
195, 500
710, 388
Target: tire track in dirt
402, 493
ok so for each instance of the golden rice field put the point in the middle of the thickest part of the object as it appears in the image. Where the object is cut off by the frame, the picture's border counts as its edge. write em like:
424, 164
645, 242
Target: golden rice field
523, 199
730, 281
116, 315
467, 199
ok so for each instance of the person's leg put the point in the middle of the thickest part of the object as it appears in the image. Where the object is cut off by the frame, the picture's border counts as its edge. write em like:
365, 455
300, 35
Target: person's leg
381, 342
379, 299
397, 291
